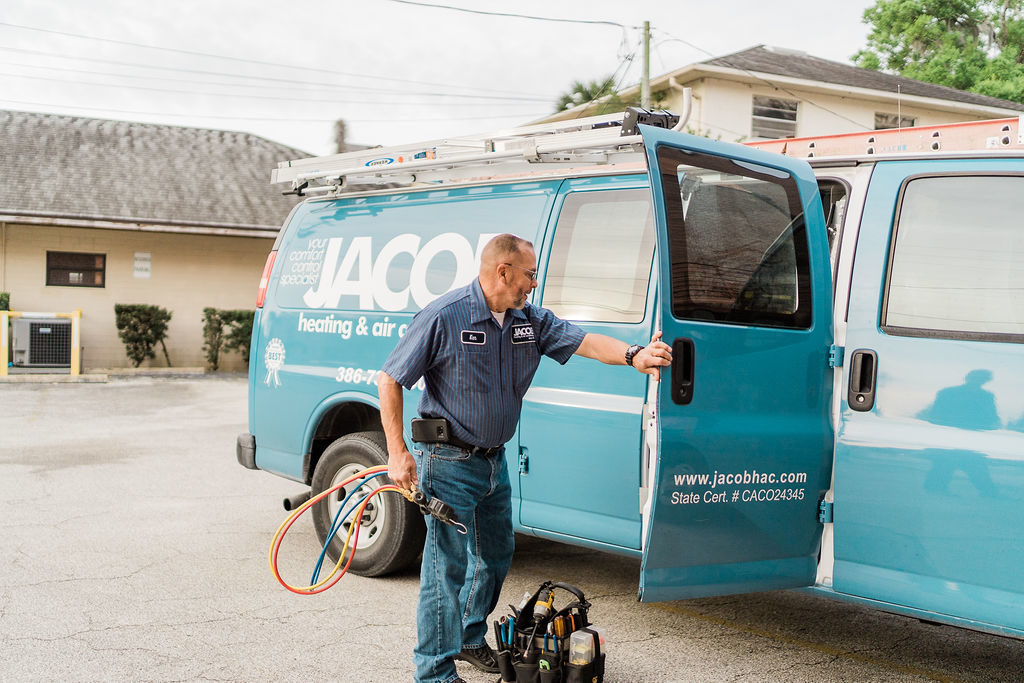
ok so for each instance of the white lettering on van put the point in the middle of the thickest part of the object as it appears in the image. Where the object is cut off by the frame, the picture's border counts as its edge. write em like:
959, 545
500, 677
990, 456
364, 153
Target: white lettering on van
360, 276
388, 299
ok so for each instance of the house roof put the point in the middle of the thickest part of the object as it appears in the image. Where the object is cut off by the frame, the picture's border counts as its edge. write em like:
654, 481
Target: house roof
83, 169
795, 64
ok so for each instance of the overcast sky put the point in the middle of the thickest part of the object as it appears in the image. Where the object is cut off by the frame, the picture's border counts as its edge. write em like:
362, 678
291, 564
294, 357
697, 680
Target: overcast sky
396, 72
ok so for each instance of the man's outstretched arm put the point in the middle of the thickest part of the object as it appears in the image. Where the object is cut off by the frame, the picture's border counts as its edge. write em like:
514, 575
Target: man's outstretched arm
611, 351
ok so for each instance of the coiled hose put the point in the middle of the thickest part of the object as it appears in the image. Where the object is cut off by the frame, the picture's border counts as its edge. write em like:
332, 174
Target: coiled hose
351, 539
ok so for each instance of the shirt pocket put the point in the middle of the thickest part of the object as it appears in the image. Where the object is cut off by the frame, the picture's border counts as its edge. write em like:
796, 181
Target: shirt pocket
525, 359
476, 375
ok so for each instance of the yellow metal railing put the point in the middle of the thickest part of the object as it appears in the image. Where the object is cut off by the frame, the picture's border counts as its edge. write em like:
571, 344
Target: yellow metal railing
76, 336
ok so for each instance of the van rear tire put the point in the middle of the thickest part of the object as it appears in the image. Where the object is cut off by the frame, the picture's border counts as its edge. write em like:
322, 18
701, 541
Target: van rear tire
392, 531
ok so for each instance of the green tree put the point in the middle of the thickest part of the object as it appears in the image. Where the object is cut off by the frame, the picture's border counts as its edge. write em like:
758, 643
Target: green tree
584, 92
141, 327
974, 45
225, 330
239, 334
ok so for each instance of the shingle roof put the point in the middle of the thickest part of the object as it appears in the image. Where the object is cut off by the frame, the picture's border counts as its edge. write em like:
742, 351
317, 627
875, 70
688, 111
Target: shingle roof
99, 169
796, 64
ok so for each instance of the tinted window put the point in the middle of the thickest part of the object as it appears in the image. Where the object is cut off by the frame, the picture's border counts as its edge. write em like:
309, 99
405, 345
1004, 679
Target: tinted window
600, 263
957, 266
737, 242
72, 269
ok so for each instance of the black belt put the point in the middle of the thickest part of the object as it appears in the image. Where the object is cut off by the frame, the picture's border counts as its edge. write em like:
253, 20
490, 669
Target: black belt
473, 450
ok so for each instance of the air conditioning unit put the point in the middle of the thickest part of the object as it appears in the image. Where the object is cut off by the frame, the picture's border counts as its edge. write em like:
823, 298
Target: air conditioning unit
41, 343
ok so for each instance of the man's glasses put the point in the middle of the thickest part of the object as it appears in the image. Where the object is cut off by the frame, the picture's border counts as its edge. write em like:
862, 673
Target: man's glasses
531, 273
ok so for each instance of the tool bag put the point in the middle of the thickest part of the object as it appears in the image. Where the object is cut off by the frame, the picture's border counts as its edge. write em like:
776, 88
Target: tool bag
542, 643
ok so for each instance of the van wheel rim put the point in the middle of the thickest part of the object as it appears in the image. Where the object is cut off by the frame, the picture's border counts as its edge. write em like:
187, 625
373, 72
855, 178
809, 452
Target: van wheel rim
374, 516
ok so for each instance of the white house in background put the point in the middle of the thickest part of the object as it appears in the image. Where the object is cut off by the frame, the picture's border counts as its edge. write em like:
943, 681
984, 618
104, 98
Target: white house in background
769, 93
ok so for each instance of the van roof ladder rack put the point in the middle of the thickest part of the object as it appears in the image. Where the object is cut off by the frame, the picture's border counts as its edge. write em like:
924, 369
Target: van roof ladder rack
595, 140
963, 136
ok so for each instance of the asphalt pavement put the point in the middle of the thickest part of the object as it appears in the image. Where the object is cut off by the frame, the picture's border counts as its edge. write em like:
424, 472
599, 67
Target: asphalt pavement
135, 549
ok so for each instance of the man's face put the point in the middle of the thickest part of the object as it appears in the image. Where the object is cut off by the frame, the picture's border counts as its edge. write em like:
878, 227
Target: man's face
520, 277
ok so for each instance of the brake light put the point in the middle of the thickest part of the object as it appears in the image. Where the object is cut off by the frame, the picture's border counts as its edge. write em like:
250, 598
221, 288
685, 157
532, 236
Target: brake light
265, 279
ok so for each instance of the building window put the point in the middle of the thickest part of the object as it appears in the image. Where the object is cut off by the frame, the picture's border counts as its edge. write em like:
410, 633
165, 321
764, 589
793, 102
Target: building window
886, 121
72, 269
773, 118
600, 264
957, 266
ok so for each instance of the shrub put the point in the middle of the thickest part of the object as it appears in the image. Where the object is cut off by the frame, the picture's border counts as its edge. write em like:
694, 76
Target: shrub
213, 336
239, 334
141, 327
5, 301
226, 330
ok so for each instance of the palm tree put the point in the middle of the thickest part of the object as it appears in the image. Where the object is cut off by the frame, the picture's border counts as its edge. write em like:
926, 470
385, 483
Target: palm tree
583, 93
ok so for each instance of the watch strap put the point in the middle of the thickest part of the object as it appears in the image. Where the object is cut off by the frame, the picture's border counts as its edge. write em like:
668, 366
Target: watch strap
631, 353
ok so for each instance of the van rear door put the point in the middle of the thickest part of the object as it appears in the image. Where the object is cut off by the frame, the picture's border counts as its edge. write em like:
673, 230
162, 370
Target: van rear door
744, 436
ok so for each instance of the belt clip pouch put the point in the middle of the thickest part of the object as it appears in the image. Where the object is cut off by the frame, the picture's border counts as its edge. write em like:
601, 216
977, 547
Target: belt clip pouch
505, 668
430, 430
550, 669
592, 672
527, 672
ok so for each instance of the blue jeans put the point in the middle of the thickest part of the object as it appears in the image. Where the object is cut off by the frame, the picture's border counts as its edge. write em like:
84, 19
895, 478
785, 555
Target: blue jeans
461, 575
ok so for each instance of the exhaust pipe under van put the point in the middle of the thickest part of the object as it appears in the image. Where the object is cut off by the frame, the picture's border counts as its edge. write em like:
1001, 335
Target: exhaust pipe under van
292, 502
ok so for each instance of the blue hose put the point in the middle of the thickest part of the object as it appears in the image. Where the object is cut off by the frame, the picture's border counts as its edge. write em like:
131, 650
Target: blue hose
337, 523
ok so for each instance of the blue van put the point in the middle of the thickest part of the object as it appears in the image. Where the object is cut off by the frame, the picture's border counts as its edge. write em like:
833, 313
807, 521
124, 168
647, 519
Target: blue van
844, 409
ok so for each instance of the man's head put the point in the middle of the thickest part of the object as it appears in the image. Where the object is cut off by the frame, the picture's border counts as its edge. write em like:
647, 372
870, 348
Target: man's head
508, 269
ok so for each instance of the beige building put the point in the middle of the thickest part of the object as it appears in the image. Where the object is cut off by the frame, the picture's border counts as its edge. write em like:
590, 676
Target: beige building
769, 93
95, 213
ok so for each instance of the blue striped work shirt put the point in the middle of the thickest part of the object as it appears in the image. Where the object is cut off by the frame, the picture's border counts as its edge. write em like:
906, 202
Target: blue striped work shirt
476, 372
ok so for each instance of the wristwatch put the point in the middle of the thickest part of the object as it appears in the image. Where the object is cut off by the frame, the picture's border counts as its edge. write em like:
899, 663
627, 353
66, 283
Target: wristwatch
631, 353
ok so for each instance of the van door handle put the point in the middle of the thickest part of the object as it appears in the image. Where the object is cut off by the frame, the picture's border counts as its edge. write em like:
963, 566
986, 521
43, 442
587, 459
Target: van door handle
683, 358
863, 377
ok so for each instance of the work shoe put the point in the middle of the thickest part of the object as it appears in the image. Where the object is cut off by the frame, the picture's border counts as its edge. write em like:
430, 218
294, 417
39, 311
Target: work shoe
481, 657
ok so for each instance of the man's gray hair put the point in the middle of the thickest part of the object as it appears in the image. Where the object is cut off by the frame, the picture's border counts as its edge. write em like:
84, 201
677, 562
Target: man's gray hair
505, 245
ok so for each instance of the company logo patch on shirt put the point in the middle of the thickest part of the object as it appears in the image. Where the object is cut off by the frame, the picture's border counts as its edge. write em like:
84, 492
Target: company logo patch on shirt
523, 334
478, 337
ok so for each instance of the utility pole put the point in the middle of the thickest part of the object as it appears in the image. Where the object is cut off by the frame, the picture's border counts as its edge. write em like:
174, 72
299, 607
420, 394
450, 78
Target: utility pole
645, 77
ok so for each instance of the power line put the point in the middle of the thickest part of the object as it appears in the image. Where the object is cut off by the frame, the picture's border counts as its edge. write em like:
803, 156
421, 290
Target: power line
405, 98
624, 65
416, 119
513, 15
270, 79
243, 60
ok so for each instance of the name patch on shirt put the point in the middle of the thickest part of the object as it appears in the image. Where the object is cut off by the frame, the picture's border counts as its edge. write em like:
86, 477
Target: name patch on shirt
477, 337
523, 334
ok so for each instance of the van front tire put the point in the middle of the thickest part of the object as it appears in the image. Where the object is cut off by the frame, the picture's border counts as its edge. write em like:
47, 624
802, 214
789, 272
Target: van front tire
392, 530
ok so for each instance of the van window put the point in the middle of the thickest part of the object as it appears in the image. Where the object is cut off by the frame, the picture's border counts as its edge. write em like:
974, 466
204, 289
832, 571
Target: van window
957, 265
600, 263
834, 197
737, 243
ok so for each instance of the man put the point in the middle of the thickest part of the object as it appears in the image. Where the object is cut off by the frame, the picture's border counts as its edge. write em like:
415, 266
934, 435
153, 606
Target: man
477, 348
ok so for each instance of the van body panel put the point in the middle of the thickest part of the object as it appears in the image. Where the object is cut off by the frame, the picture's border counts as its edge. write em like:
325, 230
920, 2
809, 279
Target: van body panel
348, 279
596, 262
745, 440
929, 483
895, 608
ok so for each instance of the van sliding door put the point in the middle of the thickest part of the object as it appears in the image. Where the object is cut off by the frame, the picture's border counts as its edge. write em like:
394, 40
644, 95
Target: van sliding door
745, 440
